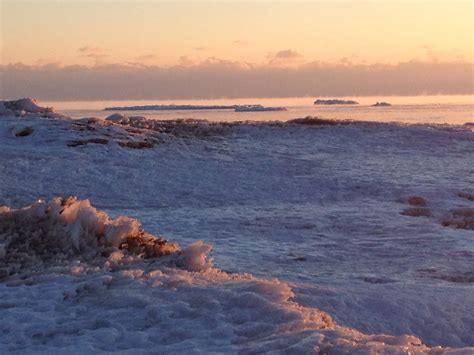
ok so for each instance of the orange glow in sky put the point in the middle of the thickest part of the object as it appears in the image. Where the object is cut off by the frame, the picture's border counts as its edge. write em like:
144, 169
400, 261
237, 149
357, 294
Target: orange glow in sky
273, 33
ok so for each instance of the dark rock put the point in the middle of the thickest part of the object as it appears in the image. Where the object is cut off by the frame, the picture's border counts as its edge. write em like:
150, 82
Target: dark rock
416, 201
77, 143
23, 132
136, 144
316, 121
466, 195
416, 212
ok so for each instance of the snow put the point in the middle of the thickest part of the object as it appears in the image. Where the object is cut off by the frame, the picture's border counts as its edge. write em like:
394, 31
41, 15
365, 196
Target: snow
209, 304
45, 233
26, 106
170, 310
310, 251
194, 257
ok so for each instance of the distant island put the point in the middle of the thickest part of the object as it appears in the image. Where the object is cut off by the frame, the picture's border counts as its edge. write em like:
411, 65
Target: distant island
257, 108
382, 103
171, 107
335, 102
236, 108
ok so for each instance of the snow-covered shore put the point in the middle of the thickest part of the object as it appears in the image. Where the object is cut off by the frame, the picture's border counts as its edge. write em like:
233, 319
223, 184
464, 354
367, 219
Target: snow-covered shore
79, 281
257, 194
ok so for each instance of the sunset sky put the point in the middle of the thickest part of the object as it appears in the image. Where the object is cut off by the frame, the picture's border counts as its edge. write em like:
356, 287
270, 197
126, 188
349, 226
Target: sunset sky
237, 35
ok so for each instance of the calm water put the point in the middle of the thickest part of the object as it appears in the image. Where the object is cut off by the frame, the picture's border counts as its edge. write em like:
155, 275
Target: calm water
404, 109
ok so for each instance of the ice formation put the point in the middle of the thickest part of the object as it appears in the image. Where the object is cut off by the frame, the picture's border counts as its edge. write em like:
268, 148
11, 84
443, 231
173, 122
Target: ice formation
63, 229
26, 106
177, 128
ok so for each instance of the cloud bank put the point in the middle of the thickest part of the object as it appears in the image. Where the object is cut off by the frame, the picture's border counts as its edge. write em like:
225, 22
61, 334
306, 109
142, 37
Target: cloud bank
223, 79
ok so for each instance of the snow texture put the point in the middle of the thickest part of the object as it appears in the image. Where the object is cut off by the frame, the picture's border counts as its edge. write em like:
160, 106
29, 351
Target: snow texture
312, 251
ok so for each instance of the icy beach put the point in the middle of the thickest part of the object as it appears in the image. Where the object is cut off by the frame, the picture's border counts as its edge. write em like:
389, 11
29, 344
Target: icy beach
188, 236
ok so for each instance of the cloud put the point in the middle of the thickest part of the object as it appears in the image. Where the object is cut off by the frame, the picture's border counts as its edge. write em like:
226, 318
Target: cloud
287, 54
434, 54
217, 78
146, 58
345, 61
91, 49
240, 42
98, 54
186, 61
201, 49
286, 57
43, 61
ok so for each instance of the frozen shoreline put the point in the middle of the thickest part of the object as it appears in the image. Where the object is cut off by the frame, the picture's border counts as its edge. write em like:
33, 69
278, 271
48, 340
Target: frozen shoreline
217, 182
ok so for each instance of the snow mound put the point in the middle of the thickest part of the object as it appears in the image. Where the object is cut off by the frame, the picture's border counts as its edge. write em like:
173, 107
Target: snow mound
24, 107
55, 232
26, 104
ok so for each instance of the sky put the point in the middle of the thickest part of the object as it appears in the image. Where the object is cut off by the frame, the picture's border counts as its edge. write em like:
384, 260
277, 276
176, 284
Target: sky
215, 45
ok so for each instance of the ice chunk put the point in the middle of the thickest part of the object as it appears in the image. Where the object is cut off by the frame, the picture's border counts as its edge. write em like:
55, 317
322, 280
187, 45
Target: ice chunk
118, 118
28, 105
119, 229
194, 257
